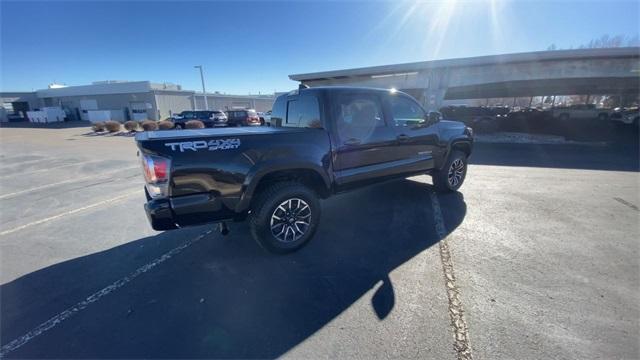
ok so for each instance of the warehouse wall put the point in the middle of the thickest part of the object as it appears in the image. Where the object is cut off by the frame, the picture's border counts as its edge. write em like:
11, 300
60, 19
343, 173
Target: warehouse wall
172, 102
226, 102
106, 102
29, 97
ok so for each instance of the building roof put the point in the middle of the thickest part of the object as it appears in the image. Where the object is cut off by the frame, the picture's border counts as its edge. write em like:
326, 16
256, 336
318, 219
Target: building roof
105, 88
473, 61
130, 87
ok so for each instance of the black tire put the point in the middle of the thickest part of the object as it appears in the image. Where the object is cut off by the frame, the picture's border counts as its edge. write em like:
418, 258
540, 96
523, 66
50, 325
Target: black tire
443, 181
272, 202
178, 127
603, 117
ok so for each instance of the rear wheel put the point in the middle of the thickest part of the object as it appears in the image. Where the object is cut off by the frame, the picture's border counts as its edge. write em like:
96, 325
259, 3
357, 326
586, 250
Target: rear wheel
452, 174
178, 126
284, 217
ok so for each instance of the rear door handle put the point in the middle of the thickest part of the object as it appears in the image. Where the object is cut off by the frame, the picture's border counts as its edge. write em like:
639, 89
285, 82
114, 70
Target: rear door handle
402, 137
352, 142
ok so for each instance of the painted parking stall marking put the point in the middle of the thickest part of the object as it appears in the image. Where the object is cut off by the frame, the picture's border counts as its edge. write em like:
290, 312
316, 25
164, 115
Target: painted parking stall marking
68, 181
456, 311
70, 212
66, 314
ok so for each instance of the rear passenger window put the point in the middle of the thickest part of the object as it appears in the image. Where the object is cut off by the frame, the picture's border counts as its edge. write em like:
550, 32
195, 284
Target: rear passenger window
406, 112
359, 117
303, 112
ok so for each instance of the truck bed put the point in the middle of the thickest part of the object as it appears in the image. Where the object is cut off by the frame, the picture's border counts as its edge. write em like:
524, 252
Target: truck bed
215, 132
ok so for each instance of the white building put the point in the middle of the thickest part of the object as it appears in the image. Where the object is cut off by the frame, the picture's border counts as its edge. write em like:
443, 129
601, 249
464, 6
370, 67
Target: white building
126, 100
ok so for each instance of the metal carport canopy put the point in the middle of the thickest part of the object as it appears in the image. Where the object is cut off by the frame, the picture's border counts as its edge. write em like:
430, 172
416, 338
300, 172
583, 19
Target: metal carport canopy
526, 88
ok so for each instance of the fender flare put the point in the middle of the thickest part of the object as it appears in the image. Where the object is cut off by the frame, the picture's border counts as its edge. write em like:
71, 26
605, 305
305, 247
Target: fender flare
257, 173
452, 143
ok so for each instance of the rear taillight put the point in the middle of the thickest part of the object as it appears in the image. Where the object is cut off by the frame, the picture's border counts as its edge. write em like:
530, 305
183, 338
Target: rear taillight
156, 174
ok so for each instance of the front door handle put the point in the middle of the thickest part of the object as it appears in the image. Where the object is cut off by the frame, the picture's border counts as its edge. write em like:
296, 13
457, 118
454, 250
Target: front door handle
403, 137
352, 142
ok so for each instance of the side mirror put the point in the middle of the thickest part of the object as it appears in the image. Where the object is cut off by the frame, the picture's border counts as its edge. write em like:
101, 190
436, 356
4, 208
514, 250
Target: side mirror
434, 116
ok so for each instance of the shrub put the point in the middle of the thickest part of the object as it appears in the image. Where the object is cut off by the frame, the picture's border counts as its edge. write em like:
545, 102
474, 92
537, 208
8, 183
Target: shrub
112, 126
98, 126
194, 124
165, 125
131, 125
149, 125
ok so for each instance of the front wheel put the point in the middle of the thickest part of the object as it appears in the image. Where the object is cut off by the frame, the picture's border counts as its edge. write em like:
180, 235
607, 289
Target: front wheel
452, 174
284, 216
178, 127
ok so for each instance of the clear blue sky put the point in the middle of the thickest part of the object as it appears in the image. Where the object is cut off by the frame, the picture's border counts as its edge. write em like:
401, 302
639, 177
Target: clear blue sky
253, 46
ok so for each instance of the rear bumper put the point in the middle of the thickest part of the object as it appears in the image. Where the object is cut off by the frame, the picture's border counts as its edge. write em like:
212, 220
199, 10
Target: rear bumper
159, 215
197, 209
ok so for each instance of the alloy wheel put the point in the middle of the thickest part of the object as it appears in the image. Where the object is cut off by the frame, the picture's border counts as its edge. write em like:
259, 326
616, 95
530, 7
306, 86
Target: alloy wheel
456, 172
290, 220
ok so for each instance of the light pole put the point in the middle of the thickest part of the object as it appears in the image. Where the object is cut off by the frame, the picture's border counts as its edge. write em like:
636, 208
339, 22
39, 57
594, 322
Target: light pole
204, 93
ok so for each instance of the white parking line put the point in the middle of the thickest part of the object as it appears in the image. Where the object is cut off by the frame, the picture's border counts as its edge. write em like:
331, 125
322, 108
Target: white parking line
456, 312
54, 217
4, 165
4, 196
59, 318
48, 169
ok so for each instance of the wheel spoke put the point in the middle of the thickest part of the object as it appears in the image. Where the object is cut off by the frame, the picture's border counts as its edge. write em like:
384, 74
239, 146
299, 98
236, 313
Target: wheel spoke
456, 172
284, 228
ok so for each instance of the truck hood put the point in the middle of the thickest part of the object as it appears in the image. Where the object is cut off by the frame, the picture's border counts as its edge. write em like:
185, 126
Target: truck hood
224, 132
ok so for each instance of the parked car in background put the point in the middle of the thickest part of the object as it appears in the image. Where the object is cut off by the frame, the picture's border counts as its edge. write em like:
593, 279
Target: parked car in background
219, 118
210, 118
580, 111
265, 117
480, 118
526, 120
626, 115
243, 117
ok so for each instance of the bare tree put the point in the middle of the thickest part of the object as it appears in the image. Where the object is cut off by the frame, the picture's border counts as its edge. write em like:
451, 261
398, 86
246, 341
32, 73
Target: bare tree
605, 41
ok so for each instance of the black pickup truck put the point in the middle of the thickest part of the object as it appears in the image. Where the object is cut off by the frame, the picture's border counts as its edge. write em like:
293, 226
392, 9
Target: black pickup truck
321, 141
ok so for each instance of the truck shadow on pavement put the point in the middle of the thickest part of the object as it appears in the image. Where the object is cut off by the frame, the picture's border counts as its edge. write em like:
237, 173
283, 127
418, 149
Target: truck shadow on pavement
224, 297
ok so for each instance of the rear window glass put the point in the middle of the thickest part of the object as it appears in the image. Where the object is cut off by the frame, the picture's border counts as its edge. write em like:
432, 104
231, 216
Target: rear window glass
237, 113
188, 114
303, 112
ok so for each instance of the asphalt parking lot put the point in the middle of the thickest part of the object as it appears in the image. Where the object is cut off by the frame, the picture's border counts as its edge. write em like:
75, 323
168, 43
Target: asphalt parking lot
536, 257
